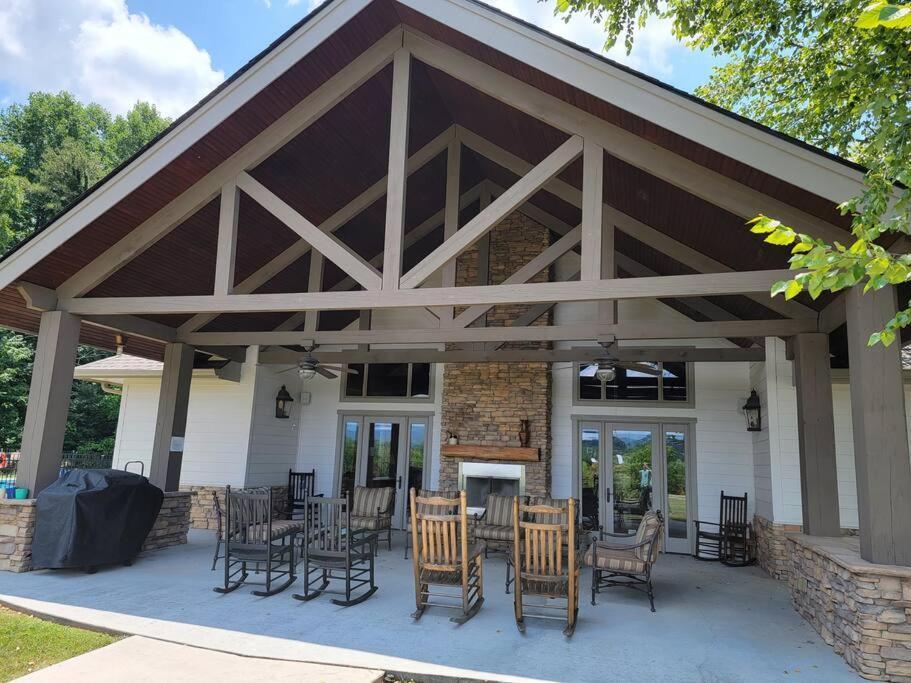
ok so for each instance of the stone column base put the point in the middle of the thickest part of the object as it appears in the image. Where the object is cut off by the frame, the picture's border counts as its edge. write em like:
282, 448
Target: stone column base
17, 526
771, 546
862, 610
173, 522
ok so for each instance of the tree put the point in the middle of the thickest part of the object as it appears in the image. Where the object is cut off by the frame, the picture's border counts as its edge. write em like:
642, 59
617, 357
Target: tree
835, 74
52, 150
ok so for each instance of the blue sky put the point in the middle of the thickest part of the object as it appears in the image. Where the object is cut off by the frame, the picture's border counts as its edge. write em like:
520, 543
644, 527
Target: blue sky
172, 52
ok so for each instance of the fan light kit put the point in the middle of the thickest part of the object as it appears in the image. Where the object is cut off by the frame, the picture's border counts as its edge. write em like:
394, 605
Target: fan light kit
308, 367
605, 373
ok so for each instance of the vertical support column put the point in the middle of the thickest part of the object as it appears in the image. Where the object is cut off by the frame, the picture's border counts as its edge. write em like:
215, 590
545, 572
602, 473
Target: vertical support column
451, 218
48, 401
227, 239
398, 173
816, 434
314, 284
364, 323
592, 210
881, 455
171, 423
607, 310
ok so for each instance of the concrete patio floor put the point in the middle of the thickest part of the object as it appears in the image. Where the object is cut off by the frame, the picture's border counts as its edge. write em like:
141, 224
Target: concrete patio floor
713, 623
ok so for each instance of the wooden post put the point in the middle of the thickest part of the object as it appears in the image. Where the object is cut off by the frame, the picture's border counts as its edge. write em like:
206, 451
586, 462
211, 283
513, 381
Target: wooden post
48, 401
451, 218
314, 284
398, 173
171, 423
816, 434
881, 455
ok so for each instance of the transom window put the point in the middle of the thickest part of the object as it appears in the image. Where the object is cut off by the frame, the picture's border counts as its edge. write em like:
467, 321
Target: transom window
377, 381
671, 385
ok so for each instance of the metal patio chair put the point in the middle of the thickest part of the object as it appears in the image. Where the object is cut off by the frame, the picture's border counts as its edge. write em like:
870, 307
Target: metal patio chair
625, 563
253, 537
442, 556
219, 530
333, 550
546, 561
730, 540
371, 510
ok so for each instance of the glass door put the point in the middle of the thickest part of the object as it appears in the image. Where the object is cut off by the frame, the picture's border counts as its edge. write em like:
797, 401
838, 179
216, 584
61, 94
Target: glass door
382, 448
678, 505
632, 474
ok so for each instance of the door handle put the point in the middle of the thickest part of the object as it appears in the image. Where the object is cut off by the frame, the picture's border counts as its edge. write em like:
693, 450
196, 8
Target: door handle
607, 493
399, 482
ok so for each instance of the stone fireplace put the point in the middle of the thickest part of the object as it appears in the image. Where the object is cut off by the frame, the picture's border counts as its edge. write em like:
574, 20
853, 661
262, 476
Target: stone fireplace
484, 403
479, 479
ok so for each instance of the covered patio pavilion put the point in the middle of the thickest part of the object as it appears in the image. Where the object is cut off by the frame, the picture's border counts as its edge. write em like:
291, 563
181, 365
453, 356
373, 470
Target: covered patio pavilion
711, 624
324, 197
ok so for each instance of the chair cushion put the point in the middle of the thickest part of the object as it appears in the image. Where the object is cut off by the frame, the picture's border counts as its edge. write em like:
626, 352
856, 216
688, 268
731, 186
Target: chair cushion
368, 500
648, 528
370, 522
490, 532
614, 559
424, 508
498, 510
280, 528
549, 518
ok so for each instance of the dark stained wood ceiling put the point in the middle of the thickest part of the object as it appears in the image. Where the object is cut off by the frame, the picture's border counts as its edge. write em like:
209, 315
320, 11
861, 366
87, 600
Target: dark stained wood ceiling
346, 151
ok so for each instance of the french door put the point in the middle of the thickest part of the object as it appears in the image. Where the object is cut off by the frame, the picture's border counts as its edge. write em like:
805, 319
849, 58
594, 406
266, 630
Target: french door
627, 468
379, 451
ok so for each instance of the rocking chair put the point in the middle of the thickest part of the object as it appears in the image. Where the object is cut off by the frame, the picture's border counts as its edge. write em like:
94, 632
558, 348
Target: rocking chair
252, 537
442, 556
546, 561
730, 540
334, 550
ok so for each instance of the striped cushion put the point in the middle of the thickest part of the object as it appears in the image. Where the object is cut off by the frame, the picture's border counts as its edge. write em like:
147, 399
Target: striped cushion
425, 509
548, 518
614, 559
280, 529
367, 501
649, 527
499, 510
490, 532
372, 522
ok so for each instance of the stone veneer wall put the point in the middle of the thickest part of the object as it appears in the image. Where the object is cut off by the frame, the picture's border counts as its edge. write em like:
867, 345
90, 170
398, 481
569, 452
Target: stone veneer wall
202, 504
17, 526
484, 402
173, 522
862, 610
771, 546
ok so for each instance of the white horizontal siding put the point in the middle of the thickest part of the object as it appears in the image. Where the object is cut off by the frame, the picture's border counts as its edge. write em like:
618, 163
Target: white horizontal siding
273, 441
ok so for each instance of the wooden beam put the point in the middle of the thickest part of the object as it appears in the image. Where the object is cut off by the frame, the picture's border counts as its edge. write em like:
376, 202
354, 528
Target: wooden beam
314, 284
505, 204
578, 354
451, 215
715, 284
683, 329
833, 315
296, 120
227, 239
656, 239
525, 273
132, 326
48, 401
171, 422
398, 153
658, 161
329, 246
592, 206
816, 435
341, 217
881, 453
37, 298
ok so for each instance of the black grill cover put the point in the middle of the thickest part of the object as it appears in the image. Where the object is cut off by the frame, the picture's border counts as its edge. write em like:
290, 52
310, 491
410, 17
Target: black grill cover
89, 518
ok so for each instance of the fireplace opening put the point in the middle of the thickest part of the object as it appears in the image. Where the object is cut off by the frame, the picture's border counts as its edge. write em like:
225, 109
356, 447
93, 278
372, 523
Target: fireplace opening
478, 479
478, 488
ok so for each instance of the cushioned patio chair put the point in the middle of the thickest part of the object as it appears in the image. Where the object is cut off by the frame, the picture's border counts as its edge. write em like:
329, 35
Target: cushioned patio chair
730, 540
425, 493
547, 562
253, 537
371, 509
332, 549
219, 530
442, 556
624, 563
495, 525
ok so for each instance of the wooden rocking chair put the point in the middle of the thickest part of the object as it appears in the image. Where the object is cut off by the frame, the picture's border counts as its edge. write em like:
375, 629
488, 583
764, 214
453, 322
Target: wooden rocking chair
730, 539
546, 561
442, 556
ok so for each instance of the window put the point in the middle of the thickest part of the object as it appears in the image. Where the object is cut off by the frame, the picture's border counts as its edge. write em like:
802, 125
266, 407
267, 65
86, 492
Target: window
378, 381
671, 386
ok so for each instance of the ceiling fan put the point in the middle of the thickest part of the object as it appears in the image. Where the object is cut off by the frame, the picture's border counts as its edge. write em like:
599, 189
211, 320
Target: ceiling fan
308, 367
604, 369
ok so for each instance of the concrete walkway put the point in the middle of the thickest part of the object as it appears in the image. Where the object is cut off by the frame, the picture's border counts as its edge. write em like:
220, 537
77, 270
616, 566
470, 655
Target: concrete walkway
713, 623
143, 660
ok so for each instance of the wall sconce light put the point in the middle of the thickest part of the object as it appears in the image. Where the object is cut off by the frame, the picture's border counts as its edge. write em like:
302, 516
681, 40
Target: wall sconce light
283, 403
752, 410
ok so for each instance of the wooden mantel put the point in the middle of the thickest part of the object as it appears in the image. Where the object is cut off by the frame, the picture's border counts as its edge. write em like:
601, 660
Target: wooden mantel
490, 453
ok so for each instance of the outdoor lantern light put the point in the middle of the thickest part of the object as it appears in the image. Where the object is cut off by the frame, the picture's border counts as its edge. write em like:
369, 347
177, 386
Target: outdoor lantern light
752, 409
283, 403
605, 373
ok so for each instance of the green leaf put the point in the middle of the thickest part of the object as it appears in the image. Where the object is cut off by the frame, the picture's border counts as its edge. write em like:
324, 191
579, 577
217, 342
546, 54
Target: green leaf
793, 289
781, 236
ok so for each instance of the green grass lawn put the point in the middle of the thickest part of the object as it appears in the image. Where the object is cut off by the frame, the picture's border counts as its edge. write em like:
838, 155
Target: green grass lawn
28, 643
677, 505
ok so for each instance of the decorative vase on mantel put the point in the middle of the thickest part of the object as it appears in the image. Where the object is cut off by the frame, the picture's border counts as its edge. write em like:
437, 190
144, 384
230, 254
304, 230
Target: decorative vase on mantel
523, 433
453, 439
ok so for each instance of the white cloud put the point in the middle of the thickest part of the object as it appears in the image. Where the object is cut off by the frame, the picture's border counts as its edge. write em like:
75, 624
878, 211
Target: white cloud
102, 53
651, 50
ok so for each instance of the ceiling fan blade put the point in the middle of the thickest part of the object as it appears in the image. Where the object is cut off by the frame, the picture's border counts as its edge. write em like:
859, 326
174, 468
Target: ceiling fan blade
340, 368
295, 368
644, 368
325, 373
